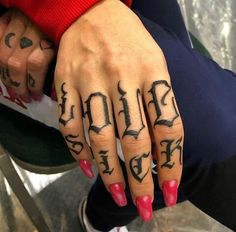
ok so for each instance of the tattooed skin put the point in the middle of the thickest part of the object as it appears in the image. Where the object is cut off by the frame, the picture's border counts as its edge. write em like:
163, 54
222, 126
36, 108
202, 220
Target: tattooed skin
8, 38
76, 146
160, 104
125, 111
31, 81
46, 44
170, 147
63, 120
6, 75
25, 42
135, 165
104, 157
106, 120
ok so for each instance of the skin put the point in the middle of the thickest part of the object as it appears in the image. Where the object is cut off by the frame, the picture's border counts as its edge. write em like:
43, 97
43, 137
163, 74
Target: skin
105, 66
25, 54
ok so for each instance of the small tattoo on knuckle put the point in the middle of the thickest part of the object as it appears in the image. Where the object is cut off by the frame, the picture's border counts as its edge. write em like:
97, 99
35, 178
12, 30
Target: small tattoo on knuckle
7, 39
46, 44
31, 80
25, 42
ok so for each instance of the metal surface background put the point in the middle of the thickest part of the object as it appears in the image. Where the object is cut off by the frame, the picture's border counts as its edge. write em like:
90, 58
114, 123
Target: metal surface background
213, 22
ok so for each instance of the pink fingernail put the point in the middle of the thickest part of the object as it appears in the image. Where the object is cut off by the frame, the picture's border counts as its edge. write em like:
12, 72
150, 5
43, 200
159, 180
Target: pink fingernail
86, 168
11, 93
170, 192
25, 99
144, 206
118, 194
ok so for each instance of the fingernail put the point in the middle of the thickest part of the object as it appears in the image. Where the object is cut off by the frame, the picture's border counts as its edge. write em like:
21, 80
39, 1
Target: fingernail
144, 206
53, 95
36, 97
170, 192
86, 168
25, 99
11, 93
118, 194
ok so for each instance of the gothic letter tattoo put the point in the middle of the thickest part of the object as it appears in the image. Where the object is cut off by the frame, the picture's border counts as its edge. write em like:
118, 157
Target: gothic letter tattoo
170, 147
89, 112
125, 110
135, 165
8, 38
6, 75
76, 146
63, 120
104, 157
25, 42
160, 104
31, 81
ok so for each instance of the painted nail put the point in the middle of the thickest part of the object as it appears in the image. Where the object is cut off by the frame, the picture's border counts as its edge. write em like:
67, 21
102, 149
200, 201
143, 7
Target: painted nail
53, 95
11, 93
36, 97
144, 206
170, 192
117, 191
86, 168
25, 99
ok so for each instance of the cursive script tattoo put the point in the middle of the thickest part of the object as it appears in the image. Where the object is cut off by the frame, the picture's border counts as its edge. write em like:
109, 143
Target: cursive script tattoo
46, 44
96, 97
31, 81
170, 147
135, 165
104, 157
25, 42
8, 39
76, 146
161, 105
63, 119
131, 132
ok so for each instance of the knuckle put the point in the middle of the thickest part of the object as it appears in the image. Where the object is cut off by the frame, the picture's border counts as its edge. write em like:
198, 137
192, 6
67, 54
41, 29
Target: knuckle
35, 63
175, 130
131, 144
100, 139
16, 65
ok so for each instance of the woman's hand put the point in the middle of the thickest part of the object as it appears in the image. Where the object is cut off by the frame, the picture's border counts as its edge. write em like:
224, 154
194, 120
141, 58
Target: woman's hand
110, 66
25, 54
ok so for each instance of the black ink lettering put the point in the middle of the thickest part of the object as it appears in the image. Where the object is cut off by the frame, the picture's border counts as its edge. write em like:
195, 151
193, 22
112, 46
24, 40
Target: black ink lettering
92, 126
31, 81
8, 38
125, 110
25, 42
76, 146
135, 165
161, 104
107, 169
62, 120
169, 150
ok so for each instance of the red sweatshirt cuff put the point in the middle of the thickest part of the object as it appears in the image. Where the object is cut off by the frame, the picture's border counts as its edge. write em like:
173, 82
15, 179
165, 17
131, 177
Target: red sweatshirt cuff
54, 17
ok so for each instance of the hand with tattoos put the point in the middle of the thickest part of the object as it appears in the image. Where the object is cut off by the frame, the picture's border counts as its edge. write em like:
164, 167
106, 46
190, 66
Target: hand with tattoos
113, 69
25, 54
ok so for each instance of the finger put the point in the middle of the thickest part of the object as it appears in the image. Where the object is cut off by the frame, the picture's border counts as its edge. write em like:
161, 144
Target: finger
99, 121
136, 145
37, 66
9, 40
71, 125
17, 62
168, 133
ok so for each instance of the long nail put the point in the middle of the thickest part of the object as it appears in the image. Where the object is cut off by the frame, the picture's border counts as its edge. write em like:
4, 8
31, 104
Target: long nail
117, 191
25, 99
11, 93
86, 168
170, 192
144, 205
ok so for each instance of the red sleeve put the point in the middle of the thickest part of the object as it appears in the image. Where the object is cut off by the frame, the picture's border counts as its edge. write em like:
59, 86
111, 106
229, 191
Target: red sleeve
53, 16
